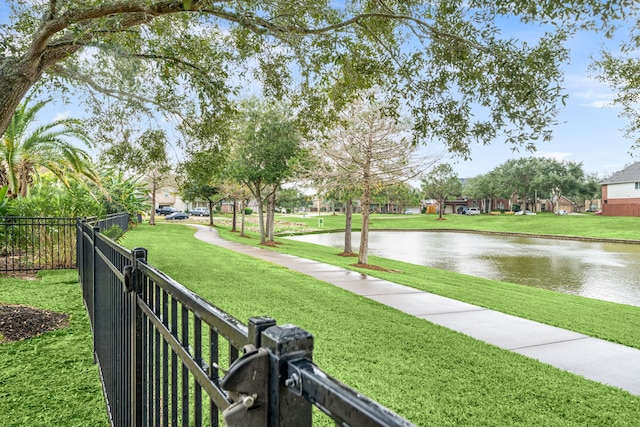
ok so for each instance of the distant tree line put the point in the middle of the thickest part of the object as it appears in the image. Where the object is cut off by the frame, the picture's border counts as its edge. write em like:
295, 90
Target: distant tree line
535, 178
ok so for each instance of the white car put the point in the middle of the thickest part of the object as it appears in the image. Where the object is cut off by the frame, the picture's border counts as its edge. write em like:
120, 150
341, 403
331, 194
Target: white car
562, 212
473, 211
526, 212
200, 212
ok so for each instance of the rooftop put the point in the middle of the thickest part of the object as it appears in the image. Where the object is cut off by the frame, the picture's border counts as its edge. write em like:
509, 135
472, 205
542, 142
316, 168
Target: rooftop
628, 174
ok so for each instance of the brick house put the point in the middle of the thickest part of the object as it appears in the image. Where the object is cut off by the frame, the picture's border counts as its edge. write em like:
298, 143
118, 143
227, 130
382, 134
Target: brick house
621, 192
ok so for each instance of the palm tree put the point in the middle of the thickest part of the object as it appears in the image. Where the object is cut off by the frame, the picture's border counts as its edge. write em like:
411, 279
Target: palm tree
26, 148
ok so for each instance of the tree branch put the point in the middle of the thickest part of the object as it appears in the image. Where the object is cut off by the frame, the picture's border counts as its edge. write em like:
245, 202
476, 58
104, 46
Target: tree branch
112, 93
264, 26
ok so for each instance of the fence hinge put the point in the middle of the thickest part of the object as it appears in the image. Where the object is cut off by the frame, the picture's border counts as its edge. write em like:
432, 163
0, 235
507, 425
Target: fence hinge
131, 281
247, 382
132, 277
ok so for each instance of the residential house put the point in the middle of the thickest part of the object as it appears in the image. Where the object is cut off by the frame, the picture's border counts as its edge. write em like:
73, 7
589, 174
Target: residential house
563, 203
451, 206
169, 196
485, 205
621, 192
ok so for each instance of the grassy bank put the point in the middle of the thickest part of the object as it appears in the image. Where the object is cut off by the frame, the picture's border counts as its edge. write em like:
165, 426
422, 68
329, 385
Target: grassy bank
50, 380
429, 374
610, 321
580, 225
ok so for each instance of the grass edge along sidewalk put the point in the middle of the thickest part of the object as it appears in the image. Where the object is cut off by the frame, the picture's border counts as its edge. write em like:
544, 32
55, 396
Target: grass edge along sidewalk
50, 380
426, 373
609, 321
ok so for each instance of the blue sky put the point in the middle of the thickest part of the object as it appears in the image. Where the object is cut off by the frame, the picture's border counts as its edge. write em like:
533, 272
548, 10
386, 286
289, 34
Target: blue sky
589, 131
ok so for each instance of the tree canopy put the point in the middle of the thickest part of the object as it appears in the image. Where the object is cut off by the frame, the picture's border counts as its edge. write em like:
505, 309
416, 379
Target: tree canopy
440, 184
264, 154
187, 58
366, 151
531, 178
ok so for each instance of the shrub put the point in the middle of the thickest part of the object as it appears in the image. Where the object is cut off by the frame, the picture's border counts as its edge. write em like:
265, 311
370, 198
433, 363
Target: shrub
114, 232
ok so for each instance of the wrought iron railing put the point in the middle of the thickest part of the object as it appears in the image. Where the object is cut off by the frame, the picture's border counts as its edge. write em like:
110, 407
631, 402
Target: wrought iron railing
30, 244
168, 357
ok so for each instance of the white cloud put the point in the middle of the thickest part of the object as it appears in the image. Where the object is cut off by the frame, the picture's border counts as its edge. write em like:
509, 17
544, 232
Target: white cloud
605, 103
589, 92
557, 155
62, 116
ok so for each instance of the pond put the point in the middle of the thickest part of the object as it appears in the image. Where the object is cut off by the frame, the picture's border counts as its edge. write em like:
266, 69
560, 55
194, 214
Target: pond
606, 271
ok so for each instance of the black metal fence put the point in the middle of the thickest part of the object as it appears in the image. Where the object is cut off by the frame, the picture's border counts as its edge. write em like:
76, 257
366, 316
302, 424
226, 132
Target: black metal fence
168, 357
30, 244
121, 219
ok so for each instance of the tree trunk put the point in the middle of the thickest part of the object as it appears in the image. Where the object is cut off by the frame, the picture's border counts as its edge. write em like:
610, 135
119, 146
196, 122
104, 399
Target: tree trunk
233, 220
271, 214
23, 178
256, 191
243, 206
154, 189
440, 207
348, 249
271, 210
210, 213
263, 235
16, 78
363, 253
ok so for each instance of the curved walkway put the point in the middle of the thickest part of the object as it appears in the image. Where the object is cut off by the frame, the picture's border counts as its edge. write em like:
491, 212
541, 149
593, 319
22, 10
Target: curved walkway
592, 358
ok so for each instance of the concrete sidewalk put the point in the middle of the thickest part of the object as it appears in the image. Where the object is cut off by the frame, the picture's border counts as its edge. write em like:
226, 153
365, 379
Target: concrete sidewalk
592, 358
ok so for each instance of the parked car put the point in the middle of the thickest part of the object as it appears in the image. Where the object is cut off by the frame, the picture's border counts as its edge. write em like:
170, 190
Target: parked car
525, 212
200, 211
177, 215
473, 211
561, 212
166, 210
462, 210
598, 212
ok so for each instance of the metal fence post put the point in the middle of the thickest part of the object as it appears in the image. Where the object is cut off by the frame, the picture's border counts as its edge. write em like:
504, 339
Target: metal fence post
285, 343
256, 326
134, 285
94, 275
79, 252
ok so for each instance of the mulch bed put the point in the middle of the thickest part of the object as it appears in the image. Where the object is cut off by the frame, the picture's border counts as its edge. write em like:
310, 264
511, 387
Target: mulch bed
18, 322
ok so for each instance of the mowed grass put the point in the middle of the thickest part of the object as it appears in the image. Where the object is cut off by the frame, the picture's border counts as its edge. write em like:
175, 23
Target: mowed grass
587, 225
618, 323
428, 374
50, 380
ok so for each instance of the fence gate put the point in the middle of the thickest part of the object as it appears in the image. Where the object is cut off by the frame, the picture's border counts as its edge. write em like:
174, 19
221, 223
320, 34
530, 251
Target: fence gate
168, 357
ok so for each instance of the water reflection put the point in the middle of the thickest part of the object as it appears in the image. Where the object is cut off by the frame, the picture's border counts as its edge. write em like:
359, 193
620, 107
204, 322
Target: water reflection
607, 271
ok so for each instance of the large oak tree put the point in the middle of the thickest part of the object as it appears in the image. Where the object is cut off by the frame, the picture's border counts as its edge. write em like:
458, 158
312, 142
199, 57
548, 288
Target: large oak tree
445, 58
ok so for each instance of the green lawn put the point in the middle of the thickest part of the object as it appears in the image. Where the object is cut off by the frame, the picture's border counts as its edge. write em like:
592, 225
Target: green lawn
610, 321
429, 374
50, 380
426, 373
587, 225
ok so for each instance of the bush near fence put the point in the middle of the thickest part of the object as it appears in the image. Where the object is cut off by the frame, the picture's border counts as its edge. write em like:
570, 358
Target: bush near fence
30, 244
